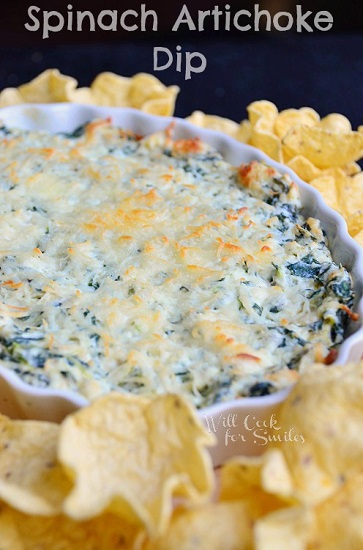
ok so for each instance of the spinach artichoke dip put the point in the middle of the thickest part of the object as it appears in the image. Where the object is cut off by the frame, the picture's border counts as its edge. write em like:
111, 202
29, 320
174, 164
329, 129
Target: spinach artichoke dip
152, 265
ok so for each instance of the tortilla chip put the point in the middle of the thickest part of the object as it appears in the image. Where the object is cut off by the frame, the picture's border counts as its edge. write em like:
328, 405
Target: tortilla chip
304, 168
287, 529
142, 91
324, 149
146, 87
131, 456
339, 520
163, 105
293, 117
81, 95
213, 527
244, 132
10, 96
31, 480
111, 89
263, 483
264, 112
267, 142
229, 127
26, 532
351, 195
318, 458
336, 123
326, 186
351, 168
49, 87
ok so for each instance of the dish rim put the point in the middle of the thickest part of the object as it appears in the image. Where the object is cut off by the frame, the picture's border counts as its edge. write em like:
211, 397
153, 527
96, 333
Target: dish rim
59, 115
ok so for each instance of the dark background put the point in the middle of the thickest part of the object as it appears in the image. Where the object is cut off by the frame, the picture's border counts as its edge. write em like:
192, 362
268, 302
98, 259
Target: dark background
321, 69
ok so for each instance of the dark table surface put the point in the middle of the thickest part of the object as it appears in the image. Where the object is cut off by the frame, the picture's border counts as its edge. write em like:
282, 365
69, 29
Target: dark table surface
324, 71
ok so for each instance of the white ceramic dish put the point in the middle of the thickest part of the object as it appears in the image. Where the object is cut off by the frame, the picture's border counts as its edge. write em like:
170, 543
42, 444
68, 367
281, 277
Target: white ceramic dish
241, 426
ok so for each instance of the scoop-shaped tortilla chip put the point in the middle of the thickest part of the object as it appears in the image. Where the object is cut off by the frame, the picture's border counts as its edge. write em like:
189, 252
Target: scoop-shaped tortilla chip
131, 456
20, 531
31, 480
304, 168
264, 483
325, 409
324, 149
264, 112
289, 118
267, 142
142, 91
10, 96
351, 195
339, 519
326, 186
287, 529
262, 115
337, 123
212, 527
214, 122
49, 87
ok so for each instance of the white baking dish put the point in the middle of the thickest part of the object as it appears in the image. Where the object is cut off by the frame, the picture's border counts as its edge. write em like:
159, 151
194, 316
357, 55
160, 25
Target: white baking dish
240, 425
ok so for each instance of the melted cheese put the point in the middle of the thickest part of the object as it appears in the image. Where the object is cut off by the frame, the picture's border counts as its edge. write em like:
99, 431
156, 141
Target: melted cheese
153, 266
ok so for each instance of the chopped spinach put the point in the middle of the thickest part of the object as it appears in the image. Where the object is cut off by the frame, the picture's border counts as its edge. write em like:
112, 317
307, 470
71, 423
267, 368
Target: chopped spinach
184, 289
261, 388
337, 325
240, 304
184, 375
308, 268
42, 380
258, 309
78, 132
196, 171
289, 333
94, 284
130, 148
342, 288
5, 131
316, 326
215, 390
